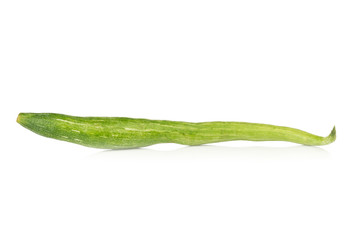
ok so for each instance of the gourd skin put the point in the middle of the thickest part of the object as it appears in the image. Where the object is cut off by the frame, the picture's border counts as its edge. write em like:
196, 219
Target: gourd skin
122, 132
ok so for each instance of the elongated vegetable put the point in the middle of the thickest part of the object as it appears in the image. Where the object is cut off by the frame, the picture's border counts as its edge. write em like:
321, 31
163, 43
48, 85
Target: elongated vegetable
121, 132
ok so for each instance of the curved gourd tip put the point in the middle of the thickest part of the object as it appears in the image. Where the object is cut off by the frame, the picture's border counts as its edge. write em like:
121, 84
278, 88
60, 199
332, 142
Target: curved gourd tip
333, 132
332, 136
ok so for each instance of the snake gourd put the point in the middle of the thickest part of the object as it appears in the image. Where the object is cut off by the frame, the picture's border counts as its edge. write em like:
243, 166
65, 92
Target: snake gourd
122, 132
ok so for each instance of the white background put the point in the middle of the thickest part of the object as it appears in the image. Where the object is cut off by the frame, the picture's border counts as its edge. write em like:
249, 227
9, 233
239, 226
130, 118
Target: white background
292, 63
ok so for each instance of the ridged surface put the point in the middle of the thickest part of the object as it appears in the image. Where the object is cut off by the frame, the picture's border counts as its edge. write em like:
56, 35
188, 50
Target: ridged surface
120, 132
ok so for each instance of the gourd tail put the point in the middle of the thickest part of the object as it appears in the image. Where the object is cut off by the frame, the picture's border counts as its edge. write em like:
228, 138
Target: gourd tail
331, 138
